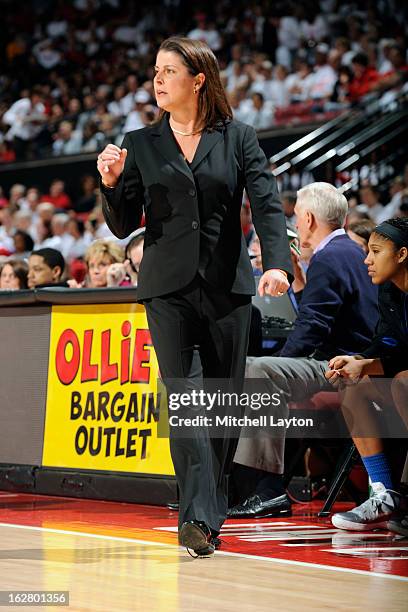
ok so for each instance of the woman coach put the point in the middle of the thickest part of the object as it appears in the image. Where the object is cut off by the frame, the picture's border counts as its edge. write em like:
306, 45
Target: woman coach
187, 173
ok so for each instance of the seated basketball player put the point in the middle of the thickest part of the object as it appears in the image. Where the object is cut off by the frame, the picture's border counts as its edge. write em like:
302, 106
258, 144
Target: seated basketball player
387, 357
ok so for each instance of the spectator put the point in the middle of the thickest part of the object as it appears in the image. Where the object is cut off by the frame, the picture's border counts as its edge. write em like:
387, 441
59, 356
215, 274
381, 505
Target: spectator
245, 37
324, 76
87, 200
22, 220
26, 118
384, 64
23, 244
313, 26
205, 32
99, 257
289, 36
259, 115
57, 195
116, 107
92, 137
238, 79
47, 55
60, 239
88, 113
128, 102
68, 141
392, 209
343, 46
6, 229
73, 111
134, 119
81, 239
299, 83
45, 211
16, 197
13, 275
31, 200
364, 77
370, 202
398, 72
360, 232
273, 84
45, 268
341, 91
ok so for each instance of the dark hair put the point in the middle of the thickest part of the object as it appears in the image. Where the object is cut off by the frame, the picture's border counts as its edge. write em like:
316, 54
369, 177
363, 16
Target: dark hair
346, 70
37, 91
398, 229
28, 241
363, 228
79, 224
259, 95
213, 106
20, 269
361, 59
52, 257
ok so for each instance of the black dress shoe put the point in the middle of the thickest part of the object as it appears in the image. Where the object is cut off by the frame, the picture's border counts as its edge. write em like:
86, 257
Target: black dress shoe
255, 507
196, 536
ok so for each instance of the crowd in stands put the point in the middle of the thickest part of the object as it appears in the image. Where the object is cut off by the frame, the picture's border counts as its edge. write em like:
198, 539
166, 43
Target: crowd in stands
93, 257
77, 75
74, 76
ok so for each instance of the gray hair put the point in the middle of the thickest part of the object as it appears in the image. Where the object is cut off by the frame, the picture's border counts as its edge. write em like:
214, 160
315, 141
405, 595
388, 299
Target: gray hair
60, 219
325, 201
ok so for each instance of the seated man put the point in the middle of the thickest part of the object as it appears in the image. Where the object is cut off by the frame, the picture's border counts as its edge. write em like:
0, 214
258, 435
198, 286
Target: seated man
337, 315
45, 268
381, 374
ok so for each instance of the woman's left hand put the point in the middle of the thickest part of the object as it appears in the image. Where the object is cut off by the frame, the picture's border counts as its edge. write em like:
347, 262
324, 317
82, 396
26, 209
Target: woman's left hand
274, 283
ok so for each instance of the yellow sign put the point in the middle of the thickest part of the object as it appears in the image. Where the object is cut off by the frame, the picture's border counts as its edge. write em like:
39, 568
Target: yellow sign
103, 400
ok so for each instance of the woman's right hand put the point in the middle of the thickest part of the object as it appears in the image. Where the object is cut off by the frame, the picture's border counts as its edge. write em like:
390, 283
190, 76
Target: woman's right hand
110, 164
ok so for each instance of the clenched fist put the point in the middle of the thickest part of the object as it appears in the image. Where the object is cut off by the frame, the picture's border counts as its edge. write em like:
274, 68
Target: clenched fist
110, 164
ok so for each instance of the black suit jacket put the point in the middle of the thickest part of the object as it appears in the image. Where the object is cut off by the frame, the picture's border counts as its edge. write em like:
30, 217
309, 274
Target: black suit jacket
192, 210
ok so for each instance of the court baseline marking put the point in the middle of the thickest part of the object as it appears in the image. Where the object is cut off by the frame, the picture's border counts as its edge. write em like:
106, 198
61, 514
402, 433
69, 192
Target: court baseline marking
98, 536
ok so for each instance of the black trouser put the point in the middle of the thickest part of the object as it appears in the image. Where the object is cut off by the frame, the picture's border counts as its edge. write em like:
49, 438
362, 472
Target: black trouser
201, 333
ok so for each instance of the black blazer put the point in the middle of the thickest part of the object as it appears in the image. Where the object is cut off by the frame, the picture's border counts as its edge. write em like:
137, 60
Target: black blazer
192, 211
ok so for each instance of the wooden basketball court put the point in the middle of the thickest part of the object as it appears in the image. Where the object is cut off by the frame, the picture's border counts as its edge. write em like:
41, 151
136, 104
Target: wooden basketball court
116, 556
